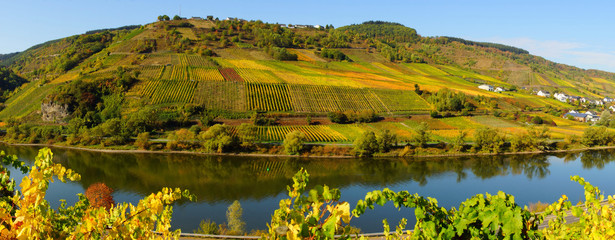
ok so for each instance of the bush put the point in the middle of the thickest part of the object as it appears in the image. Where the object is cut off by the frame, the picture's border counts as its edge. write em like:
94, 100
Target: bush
597, 136
293, 143
337, 117
489, 140
208, 227
142, 141
422, 135
99, 195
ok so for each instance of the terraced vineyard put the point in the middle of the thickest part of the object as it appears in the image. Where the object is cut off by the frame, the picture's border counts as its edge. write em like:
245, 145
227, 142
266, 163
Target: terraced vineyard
205, 74
312, 133
268, 97
170, 91
314, 98
191, 60
221, 95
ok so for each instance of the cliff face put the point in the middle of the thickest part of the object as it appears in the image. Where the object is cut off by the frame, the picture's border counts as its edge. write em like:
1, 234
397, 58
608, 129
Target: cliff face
54, 112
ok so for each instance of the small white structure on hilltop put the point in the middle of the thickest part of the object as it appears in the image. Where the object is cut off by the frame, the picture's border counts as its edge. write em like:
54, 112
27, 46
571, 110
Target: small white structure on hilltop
543, 93
500, 89
486, 87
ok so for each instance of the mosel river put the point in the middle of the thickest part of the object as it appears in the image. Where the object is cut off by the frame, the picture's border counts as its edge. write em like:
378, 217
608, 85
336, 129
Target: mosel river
260, 182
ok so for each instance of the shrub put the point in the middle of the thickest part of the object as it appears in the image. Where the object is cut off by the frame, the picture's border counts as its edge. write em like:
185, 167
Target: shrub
208, 227
99, 195
489, 140
142, 141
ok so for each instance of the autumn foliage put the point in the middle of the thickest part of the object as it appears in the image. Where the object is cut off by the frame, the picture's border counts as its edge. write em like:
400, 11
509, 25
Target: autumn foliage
99, 195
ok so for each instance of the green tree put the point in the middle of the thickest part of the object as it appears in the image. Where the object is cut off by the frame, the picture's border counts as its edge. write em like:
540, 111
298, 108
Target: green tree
596, 136
236, 225
386, 141
293, 143
422, 135
366, 144
177, 17
459, 140
489, 140
216, 138
247, 135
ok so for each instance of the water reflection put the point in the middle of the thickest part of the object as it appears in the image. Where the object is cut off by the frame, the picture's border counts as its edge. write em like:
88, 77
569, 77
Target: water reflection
259, 182
226, 178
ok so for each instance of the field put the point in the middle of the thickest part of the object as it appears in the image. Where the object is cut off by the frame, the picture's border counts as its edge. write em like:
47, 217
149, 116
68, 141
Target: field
151, 72
27, 100
307, 98
230, 74
205, 74
312, 133
268, 97
258, 76
229, 95
169, 91
175, 73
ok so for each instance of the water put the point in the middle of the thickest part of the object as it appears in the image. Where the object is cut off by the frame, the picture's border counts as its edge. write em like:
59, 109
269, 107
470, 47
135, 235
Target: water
260, 182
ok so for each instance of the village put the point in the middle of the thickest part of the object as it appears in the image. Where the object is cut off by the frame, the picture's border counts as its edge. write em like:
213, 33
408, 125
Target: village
581, 116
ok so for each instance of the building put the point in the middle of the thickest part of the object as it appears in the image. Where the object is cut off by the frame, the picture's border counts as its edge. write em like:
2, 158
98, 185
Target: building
500, 89
562, 97
486, 87
608, 100
581, 117
196, 18
543, 93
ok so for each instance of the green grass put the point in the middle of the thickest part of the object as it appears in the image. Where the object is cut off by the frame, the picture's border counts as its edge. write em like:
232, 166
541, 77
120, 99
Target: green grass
491, 121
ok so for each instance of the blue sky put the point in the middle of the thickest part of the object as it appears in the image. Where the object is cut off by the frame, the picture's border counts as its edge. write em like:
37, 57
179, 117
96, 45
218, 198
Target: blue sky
578, 33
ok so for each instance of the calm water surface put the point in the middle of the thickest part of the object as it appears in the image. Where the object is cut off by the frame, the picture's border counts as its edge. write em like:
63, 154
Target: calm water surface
260, 182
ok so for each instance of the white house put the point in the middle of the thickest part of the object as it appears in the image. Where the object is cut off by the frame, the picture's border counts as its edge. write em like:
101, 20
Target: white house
500, 89
599, 102
608, 100
612, 108
543, 93
486, 87
561, 97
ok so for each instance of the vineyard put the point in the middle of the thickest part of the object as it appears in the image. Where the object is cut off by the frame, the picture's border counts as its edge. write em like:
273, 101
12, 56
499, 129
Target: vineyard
312, 133
221, 95
191, 60
151, 72
268, 97
397, 100
230, 75
169, 91
258, 76
205, 74
308, 98
175, 73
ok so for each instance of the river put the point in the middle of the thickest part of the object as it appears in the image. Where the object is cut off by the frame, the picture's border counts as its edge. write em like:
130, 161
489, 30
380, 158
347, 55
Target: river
260, 182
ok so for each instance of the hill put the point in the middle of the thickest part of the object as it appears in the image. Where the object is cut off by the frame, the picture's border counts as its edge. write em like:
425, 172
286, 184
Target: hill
184, 69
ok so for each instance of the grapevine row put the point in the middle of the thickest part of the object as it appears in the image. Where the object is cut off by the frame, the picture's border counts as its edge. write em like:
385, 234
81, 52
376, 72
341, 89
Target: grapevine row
312, 133
268, 97
221, 95
230, 75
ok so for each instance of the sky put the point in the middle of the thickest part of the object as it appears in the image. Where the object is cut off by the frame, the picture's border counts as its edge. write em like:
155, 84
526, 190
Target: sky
578, 33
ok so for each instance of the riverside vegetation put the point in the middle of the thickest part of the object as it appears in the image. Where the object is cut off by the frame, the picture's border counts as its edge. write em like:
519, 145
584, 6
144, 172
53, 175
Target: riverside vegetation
166, 85
316, 213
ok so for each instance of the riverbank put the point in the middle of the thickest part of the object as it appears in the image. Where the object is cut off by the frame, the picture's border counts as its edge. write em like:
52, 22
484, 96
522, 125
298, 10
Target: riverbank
107, 150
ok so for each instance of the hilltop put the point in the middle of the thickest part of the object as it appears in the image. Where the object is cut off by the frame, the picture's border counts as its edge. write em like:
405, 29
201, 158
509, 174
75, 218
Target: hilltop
171, 74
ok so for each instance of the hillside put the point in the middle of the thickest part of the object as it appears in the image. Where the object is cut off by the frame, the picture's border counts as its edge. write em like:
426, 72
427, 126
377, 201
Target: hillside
184, 68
